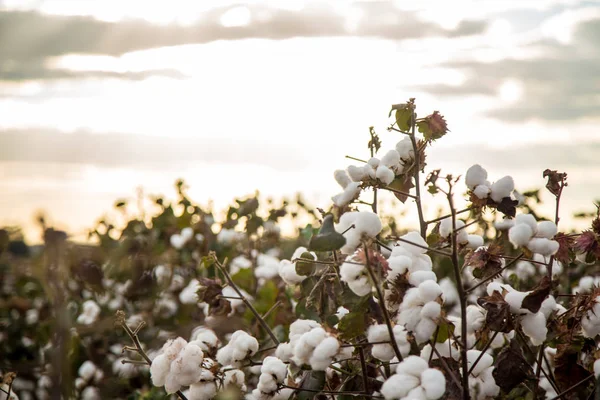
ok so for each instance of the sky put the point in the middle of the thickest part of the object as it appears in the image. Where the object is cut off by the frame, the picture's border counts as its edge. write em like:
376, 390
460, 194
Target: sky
101, 97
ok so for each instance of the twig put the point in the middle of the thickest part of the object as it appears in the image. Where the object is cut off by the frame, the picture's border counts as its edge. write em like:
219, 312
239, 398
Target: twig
483, 351
422, 222
363, 367
384, 310
462, 295
412, 196
244, 299
436, 251
138, 346
496, 274
331, 392
448, 216
356, 159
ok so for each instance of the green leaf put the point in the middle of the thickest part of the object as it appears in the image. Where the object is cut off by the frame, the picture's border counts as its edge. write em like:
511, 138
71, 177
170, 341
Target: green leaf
352, 325
446, 329
403, 184
403, 117
432, 189
244, 278
305, 268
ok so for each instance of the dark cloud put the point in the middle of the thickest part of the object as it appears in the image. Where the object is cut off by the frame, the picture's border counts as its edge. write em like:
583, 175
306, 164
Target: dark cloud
130, 150
561, 85
28, 38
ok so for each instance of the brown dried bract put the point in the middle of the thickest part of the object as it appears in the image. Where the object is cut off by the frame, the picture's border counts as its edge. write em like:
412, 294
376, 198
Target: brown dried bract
498, 317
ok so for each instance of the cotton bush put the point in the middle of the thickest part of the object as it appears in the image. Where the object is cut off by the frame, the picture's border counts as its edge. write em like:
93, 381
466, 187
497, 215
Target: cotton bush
359, 301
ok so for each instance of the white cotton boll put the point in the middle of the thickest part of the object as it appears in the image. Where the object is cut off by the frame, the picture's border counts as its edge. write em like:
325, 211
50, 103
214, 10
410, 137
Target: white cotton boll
597, 368
397, 386
350, 193
90, 313
369, 171
87, 370
474, 241
431, 310
202, 391
357, 174
390, 159
446, 230
434, 383
177, 241
285, 351
239, 263
373, 162
548, 306
475, 318
520, 235
187, 233
187, 367
414, 237
476, 176
171, 383
350, 270
418, 277
515, 301
449, 291
159, 370
424, 330
502, 188
188, 294
400, 251
89, 393
378, 333
383, 352
412, 365
534, 326
421, 263
235, 377
274, 366
287, 272
368, 223
417, 393
482, 191
524, 270
504, 224
543, 246
204, 338
342, 178
398, 266
429, 291
267, 383
547, 229
405, 149
301, 326
497, 287
527, 219
485, 361
385, 175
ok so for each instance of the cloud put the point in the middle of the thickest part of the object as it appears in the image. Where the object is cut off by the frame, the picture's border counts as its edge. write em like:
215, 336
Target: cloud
29, 38
151, 152
560, 85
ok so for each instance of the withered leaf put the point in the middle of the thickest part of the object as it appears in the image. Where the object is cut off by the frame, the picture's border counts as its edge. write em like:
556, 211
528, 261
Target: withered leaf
485, 262
568, 371
533, 301
556, 181
511, 368
403, 184
209, 290
507, 206
565, 244
498, 317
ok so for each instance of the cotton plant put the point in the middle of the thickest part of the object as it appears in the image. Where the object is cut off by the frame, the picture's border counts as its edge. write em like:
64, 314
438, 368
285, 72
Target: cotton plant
287, 268
414, 380
410, 260
90, 313
462, 237
354, 272
272, 375
385, 351
241, 346
482, 384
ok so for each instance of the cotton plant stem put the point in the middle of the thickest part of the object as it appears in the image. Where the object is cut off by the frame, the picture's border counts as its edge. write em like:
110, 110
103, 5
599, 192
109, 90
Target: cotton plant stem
413, 140
363, 367
384, 311
462, 298
133, 335
448, 216
436, 251
489, 343
412, 196
244, 299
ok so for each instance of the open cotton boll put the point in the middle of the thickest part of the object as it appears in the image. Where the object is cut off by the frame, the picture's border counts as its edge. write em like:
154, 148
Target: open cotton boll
366, 224
202, 391
397, 386
373, 162
474, 241
240, 346
385, 175
476, 176
434, 383
187, 367
355, 275
385, 351
502, 188
398, 266
357, 174
504, 224
590, 323
390, 159
267, 267
275, 367
481, 382
586, 283
418, 277
369, 171
546, 229
446, 230
429, 291
527, 219
414, 237
350, 193
520, 235
534, 326
597, 368
342, 178
543, 246
90, 313
235, 377
287, 272
449, 291
204, 338
405, 149
188, 294
482, 191
324, 353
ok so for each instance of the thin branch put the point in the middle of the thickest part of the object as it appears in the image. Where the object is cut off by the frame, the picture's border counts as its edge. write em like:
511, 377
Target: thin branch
244, 299
495, 275
356, 159
363, 367
384, 310
483, 351
448, 216
331, 392
575, 386
436, 251
412, 196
